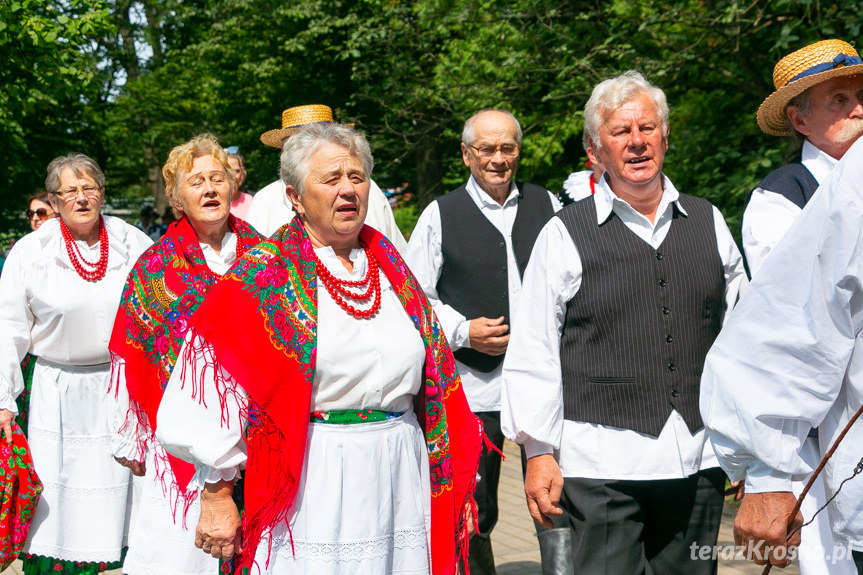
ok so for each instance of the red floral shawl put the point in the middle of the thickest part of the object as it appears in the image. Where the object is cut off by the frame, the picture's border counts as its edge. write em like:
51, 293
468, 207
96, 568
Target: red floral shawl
167, 283
269, 298
21, 489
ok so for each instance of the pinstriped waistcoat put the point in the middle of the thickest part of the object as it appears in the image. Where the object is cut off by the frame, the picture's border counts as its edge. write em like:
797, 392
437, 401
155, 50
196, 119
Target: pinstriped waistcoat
638, 330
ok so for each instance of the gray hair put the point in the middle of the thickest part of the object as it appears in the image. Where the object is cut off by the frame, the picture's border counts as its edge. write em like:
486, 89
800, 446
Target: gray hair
611, 94
468, 136
79, 164
298, 148
803, 103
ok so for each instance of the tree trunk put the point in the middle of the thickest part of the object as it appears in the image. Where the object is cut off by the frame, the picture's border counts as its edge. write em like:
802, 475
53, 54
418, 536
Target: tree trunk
429, 183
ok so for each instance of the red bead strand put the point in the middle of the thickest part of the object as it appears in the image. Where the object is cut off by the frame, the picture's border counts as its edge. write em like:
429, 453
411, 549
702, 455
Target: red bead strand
77, 258
338, 287
241, 247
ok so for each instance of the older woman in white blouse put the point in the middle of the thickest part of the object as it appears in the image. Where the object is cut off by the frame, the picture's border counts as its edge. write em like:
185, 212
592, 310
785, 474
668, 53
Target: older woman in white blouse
317, 366
164, 288
59, 294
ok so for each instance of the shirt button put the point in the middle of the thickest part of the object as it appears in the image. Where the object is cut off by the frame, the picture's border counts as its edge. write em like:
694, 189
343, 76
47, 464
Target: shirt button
668, 338
671, 367
659, 256
674, 393
663, 283
666, 311
500, 244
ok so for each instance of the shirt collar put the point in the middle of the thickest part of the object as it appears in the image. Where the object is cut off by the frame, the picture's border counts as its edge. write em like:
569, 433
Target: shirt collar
227, 252
118, 254
329, 258
819, 163
482, 198
607, 201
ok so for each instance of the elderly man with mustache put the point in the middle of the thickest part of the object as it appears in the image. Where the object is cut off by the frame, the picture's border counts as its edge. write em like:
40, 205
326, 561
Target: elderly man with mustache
818, 101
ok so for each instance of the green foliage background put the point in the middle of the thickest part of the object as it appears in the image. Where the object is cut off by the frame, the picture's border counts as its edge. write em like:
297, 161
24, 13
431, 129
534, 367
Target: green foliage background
124, 81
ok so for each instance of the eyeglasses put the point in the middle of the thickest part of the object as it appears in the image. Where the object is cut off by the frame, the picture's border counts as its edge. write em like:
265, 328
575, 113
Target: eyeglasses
506, 150
41, 212
72, 193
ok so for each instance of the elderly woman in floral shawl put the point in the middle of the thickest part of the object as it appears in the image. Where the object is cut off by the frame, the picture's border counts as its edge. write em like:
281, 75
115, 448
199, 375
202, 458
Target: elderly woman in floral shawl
317, 365
167, 284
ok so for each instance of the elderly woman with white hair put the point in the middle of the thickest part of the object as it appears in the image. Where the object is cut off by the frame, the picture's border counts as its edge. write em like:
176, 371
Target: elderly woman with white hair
317, 365
58, 297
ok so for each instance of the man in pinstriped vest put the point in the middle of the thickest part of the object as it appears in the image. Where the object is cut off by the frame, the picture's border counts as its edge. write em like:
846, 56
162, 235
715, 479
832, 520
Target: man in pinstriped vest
623, 296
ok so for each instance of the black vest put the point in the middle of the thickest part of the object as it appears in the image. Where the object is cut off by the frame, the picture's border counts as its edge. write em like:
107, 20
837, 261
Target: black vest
793, 181
474, 276
638, 329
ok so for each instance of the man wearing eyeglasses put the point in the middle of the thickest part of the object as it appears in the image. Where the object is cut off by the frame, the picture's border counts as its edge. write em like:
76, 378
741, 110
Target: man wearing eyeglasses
469, 250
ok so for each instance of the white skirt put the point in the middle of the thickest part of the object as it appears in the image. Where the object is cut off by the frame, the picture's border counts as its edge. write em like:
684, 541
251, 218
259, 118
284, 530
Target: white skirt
159, 542
363, 506
82, 513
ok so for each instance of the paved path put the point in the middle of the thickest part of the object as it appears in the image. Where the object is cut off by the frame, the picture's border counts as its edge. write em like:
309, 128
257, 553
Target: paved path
515, 545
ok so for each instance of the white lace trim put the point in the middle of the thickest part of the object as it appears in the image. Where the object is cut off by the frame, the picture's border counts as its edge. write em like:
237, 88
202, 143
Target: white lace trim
69, 492
91, 441
205, 474
130, 449
363, 550
89, 556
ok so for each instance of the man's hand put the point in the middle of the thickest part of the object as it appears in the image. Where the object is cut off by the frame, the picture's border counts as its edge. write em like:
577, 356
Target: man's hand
219, 528
6, 418
489, 335
138, 468
761, 526
543, 483
737, 488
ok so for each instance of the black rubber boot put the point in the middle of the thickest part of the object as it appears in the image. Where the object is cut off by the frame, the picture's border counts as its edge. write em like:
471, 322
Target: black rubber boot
555, 548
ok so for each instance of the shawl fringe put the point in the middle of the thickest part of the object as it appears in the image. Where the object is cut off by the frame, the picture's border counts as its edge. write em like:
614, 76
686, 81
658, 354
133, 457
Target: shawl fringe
165, 286
271, 295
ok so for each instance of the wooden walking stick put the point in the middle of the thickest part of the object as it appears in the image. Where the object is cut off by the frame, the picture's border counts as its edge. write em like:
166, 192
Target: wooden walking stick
857, 470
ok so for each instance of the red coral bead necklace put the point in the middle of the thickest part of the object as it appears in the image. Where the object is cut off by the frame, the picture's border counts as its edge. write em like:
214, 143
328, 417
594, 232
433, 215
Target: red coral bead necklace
241, 247
96, 269
339, 288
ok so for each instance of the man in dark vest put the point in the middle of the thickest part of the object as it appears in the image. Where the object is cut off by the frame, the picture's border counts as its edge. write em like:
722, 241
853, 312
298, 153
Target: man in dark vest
469, 250
622, 298
819, 101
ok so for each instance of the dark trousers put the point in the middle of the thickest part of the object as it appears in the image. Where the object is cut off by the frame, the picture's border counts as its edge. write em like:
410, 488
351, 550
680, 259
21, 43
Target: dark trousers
858, 561
644, 527
481, 556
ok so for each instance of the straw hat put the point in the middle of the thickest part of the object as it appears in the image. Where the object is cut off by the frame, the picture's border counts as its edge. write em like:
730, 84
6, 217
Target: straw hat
801, 70
293, 118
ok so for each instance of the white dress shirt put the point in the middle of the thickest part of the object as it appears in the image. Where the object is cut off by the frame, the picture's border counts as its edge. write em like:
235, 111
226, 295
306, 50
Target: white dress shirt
155, 524
532, 393
769, 214
791, 356
271, 209
130, 437
48, 310
375, 363
425, 259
